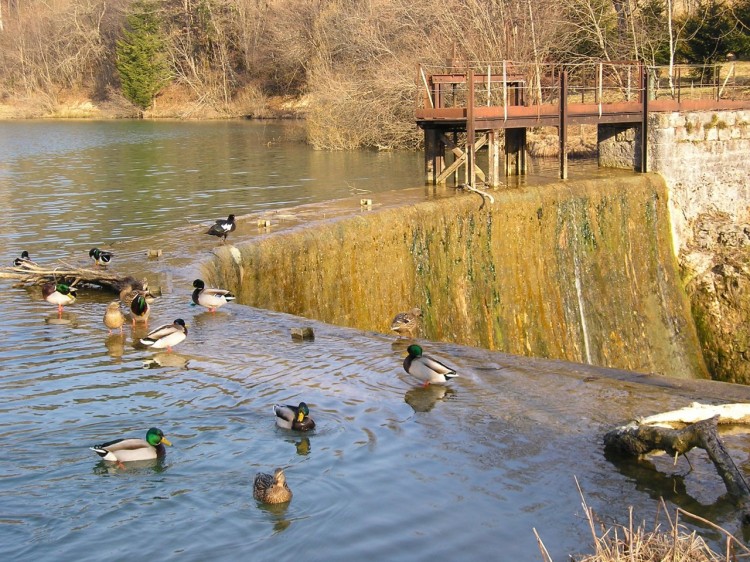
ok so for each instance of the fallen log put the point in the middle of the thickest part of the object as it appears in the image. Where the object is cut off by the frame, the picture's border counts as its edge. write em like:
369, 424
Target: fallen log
650, 435
27, 275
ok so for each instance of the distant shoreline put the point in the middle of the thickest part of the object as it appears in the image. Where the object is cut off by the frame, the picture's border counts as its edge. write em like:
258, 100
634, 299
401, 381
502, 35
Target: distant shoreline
172, 104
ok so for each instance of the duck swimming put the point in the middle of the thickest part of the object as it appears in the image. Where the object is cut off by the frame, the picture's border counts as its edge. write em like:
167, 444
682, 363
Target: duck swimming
269, 488
24, 261
293, 417
210, 298
167, 335
131, 449
426, 369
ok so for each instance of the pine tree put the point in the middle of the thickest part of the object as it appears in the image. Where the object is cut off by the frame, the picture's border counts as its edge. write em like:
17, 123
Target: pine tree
141, 56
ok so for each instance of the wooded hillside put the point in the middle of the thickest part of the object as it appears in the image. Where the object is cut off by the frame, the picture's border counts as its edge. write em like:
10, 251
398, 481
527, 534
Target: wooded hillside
221, 58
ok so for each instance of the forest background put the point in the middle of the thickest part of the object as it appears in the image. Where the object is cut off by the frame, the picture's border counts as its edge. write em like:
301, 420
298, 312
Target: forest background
348, 66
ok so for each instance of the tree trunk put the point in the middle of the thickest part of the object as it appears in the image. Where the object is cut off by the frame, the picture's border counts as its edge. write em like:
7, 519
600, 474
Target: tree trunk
639, 439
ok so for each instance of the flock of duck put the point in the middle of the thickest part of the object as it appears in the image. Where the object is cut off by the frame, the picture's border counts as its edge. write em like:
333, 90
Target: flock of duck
267, 488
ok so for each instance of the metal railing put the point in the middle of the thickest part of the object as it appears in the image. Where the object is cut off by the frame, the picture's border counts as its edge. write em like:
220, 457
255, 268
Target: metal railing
510, 83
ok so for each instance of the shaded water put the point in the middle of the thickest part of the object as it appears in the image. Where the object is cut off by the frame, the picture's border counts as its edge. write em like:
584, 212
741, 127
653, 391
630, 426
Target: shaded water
392, 471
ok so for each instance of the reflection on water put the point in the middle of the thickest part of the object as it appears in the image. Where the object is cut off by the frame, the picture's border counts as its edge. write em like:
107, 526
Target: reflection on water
423, 399
166, 359
145, 467
391, 472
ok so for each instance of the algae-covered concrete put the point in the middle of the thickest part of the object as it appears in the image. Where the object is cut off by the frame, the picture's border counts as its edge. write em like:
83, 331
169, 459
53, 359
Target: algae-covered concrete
581, 271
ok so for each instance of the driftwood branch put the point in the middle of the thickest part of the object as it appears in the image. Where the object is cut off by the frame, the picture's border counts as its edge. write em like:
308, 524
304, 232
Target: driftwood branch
32, 274
640, 438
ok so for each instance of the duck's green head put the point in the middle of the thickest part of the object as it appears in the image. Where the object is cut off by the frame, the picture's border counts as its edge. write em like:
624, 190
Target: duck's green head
414, 350
155, 437
302, 411
199, 284
64, 289
139, 304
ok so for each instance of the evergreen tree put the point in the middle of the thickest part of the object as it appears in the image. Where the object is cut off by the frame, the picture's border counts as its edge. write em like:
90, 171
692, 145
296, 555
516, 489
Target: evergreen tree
739, 39
141, 56
707, 32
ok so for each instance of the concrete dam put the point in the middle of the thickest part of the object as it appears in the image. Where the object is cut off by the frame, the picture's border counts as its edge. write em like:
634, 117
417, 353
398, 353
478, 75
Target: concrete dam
581, 270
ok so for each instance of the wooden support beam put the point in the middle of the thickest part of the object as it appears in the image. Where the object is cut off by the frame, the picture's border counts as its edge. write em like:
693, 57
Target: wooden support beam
493, 157
434, 155
471, 176
460, 159
563, 127
644, 121
515, 151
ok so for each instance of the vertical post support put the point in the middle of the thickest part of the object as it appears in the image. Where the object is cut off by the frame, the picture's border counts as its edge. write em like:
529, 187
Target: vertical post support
563, 128
644, 120
515, 151
493, 149
470, 171
434, 160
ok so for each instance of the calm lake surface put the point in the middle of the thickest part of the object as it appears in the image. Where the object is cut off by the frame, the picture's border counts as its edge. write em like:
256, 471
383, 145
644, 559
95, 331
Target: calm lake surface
391, 472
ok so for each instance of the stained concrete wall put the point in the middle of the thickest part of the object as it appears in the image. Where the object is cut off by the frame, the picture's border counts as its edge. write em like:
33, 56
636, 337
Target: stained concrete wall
703, 156
581, 271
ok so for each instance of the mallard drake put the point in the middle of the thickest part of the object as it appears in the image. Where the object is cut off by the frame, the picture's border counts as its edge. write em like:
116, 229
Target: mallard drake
139, 308
407, 323
59, 294
210, 298
113, 317
100, 257
293, 417
166, 335
222, 228
24, 261
129, 292
132, 449
426, 369
269, 488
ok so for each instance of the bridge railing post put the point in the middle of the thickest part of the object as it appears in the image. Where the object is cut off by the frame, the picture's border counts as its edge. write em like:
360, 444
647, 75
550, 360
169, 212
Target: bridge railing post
645, 80
563, 128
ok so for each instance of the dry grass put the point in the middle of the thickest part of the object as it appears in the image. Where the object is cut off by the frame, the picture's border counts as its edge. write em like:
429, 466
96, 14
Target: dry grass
674, 543
544, 143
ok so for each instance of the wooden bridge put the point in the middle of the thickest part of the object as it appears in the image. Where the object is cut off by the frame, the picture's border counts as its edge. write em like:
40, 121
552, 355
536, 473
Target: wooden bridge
467, 107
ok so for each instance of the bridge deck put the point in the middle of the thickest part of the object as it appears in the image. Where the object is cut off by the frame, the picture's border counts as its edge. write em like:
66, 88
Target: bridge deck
486, 98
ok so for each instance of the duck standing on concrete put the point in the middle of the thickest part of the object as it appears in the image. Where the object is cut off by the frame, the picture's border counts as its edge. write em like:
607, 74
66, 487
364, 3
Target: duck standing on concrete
426, 369
210, 298
222, 228
167, 335
100, 257
139, 308
407, 323
113, 317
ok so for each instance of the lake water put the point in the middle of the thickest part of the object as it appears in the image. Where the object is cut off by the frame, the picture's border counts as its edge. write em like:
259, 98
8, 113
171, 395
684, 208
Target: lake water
391, 472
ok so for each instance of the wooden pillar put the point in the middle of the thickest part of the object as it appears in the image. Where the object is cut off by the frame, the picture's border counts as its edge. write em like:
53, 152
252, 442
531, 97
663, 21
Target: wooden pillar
563, 128
644, 120
470, 156
434, 160
515, 151
493, 157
